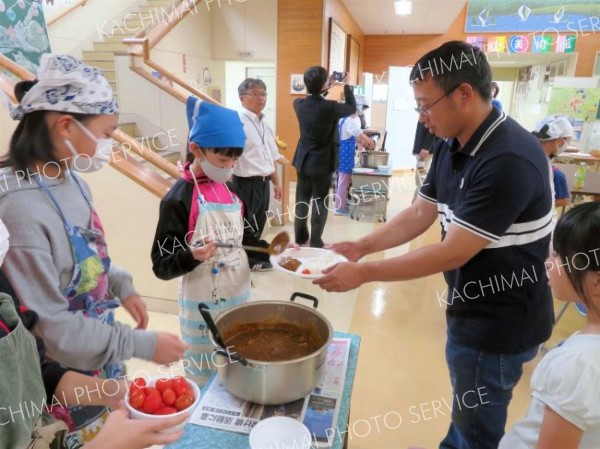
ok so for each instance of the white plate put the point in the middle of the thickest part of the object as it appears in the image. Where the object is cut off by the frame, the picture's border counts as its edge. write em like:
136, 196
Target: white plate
280, 432
309, 258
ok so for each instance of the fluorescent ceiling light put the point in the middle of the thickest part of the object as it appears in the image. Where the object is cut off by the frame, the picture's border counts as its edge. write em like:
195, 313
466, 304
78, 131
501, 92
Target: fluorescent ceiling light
403, 7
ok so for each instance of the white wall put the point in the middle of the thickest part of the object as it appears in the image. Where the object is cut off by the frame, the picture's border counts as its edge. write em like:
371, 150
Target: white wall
192, 37
245, 26
401, 120
78, 30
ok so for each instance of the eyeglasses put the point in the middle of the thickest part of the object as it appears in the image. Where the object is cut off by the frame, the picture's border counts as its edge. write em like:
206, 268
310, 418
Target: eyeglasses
425, 109
256, 95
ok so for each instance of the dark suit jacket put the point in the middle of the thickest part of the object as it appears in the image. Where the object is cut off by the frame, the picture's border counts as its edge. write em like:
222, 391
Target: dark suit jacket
316, 152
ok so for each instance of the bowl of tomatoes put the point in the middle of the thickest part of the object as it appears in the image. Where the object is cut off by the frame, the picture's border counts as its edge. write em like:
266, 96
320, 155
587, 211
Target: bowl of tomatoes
162, 397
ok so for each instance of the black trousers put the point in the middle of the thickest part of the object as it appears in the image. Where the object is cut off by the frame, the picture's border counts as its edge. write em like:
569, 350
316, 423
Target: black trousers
311, 190
255, 192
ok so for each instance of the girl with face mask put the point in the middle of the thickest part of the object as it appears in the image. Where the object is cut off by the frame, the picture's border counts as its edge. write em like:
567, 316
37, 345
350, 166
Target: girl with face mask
554, 133
199, 210
58, 263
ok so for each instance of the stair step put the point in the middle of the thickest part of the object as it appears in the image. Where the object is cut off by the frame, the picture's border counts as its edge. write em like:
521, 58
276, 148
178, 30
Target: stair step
129, 128
104, 65
109, 46
118, 36
110, 75
96, 55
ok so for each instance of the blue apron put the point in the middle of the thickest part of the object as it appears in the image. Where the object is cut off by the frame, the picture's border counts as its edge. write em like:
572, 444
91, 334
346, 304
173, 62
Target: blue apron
87, 293
347, 150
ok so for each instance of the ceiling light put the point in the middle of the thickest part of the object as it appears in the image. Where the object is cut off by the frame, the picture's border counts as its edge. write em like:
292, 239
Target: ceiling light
403, 7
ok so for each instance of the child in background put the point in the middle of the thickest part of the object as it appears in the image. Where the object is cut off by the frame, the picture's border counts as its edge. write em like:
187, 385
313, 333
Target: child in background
350, 132
199, 210
565, 408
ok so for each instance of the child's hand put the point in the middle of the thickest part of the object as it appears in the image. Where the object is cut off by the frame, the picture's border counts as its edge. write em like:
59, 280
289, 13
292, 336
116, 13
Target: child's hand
169, 349
137, 309
121, 432
204, 248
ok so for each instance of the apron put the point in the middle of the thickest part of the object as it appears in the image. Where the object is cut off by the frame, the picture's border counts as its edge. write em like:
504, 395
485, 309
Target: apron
347, 150
21, 386
220, 283
87, 293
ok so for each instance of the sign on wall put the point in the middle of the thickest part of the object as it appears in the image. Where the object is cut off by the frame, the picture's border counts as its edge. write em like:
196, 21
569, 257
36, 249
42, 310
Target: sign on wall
23, 34
578, 16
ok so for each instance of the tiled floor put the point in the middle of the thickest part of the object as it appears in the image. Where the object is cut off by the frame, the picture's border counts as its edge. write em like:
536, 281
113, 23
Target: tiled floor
401, 369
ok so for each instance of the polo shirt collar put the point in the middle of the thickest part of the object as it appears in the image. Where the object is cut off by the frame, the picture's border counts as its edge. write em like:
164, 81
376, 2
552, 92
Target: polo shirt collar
253, 115
481, 134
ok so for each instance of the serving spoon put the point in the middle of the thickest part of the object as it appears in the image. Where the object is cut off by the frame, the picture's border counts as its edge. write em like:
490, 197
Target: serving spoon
278, 245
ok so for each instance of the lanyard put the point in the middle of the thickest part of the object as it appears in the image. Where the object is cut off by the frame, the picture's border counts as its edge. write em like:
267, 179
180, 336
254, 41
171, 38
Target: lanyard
261, 135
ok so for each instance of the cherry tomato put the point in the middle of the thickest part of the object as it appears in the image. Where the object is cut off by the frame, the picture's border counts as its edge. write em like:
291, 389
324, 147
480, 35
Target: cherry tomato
168, 396
163, 384
183, 402
189, 393
152, 403
179, 385
152, 390
138, 384
136, 399
306, 271
166, 411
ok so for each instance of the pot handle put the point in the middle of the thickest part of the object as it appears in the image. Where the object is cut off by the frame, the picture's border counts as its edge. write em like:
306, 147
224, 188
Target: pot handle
305, 296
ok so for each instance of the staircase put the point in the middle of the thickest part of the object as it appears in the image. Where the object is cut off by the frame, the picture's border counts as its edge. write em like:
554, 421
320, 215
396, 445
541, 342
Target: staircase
148, 15
152, 143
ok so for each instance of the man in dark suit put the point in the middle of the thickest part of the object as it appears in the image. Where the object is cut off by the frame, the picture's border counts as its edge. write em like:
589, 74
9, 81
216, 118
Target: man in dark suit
316, 153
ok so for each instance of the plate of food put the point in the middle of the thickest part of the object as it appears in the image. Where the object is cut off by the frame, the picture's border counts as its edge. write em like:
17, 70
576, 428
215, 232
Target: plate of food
305, 262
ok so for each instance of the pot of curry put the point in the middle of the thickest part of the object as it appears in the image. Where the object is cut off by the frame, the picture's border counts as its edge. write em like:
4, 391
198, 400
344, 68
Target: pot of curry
284, 345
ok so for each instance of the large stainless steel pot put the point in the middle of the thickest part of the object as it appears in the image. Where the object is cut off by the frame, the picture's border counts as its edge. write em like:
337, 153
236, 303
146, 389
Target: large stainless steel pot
273, 382
373, 159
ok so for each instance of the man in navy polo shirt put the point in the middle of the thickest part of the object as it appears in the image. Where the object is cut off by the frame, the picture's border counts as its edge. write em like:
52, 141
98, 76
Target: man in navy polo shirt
489, 187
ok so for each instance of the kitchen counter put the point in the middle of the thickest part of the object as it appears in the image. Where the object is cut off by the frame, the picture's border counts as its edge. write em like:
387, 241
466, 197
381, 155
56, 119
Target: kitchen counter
200, 437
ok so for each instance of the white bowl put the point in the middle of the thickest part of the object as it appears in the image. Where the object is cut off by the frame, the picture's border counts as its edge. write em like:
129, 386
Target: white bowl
280, 432
136, 414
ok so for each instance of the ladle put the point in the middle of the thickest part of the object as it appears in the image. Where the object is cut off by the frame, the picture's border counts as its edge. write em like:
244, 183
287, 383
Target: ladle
278, 245
204, 311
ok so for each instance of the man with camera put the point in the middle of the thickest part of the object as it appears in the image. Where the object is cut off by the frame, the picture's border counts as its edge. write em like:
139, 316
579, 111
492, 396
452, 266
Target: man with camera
315, 159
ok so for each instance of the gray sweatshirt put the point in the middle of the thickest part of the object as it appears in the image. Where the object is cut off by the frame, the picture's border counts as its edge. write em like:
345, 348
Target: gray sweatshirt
40, 265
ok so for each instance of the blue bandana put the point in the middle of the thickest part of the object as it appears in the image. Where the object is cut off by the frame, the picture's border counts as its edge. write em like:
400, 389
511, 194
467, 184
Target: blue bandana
213, 126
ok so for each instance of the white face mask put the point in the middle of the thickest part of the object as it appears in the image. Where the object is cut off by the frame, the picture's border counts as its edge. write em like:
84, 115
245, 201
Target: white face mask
101, 157
562, 148
3, 242
215, 173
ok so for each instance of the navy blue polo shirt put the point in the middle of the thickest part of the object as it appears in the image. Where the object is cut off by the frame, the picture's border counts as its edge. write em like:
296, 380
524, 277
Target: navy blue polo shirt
497, 187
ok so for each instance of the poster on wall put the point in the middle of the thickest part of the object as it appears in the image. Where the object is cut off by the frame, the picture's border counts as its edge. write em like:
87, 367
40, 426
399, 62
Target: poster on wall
578, 103
23, 33
484, 16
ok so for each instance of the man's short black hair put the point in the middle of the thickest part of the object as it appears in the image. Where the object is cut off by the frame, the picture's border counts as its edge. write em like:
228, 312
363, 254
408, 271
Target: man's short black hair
314, 78
454, 63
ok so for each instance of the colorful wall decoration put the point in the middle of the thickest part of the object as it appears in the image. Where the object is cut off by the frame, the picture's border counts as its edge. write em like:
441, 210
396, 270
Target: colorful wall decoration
578, 103
552, 16
23, 33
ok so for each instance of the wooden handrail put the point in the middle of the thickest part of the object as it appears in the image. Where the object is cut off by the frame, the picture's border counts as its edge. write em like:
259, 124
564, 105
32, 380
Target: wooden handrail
179, 81
146, 153
133, 169
15, 69
148, 76
139, 173
8, 88
67, 11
